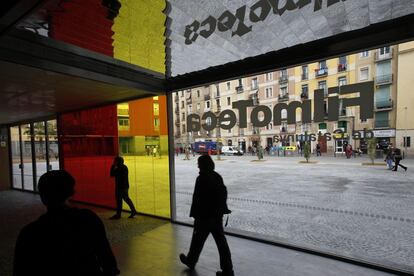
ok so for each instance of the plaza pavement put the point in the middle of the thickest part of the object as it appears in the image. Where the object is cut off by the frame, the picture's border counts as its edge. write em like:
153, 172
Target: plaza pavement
336, 205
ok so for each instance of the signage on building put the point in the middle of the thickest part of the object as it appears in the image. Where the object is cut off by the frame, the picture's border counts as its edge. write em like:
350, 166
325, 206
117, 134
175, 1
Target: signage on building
384, 133
262, 115
216, 32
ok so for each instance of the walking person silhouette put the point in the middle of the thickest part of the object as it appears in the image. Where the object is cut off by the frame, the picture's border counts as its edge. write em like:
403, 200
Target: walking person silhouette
208, 207
64, 241
120, 172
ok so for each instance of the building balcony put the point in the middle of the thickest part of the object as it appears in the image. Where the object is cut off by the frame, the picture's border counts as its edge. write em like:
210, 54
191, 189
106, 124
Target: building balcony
381, 57
206, 97
384, 79
283, 79
304, 95
188, 101
321, 72
176, 99
177, 111
217, 95
305, 76
283, 98
342, 67
239, 89
177, 122
382, 124
383, 105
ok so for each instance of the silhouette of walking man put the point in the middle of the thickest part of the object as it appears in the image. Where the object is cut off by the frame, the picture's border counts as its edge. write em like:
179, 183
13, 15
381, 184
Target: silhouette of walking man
208, 207
398, 158
120, 172
64, 241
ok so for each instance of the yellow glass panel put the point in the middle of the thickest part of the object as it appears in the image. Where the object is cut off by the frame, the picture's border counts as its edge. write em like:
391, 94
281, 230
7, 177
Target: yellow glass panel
139, 33
145, 151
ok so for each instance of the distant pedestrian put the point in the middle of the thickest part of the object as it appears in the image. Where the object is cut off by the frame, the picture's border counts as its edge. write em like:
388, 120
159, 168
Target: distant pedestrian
389, 158
64, 241
318, 150
398, 158
120, 172
208, 207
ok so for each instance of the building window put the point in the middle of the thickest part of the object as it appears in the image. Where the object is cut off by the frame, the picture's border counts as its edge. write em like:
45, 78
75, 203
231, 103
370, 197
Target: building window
218, 102
385, 50
407, 141
123, 122
228, 101
183, 128
269, 92
240, 82
198, 107
189, 109
283, 114
228, 85
198, 93
156, 123
283, 73
341, 81
283, 127
342, 65
217, 90
322, 64
208, 104
183, 116
322, 85
363, 74
305, 72
269, 76
364, 54
283, 91
322, 126
305, 91
182, 93
254, 83
182, 104
208, 121
269, 126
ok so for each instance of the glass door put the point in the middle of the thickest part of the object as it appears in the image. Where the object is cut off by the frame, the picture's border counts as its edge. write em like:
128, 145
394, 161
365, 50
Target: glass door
52, 145
16, 163
27, 156
39, 131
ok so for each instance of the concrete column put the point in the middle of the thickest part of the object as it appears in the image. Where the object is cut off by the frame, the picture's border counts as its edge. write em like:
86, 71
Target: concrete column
4, 157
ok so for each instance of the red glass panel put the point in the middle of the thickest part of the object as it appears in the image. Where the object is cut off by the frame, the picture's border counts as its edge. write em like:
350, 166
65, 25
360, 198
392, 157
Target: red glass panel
83, 23
89, 140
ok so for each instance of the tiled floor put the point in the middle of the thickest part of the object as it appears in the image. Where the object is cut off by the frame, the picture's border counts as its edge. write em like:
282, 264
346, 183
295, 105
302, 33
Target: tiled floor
149, 246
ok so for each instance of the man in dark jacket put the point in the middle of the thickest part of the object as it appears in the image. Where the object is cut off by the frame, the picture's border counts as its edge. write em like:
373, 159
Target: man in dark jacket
64, 241
398, 158
120, 172
208, 207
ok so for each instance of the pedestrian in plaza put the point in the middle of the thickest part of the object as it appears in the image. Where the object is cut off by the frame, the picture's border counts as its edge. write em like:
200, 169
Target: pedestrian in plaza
208, 207
64, 241
389, 158
398, 158
120, 172
318, 150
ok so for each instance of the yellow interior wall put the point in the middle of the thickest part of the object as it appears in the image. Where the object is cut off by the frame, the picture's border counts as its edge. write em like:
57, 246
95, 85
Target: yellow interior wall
139, 34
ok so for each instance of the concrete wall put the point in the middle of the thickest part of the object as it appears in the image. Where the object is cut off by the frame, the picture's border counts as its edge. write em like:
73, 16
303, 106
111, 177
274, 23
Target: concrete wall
4, 160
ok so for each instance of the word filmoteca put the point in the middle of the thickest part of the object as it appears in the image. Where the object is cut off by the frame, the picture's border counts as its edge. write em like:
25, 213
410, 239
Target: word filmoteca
241, 21
227, 119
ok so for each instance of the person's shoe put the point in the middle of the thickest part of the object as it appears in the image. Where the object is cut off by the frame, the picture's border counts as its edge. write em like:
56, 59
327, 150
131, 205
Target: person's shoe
405, 168
184, 260
133, 214
115, 217
225, 273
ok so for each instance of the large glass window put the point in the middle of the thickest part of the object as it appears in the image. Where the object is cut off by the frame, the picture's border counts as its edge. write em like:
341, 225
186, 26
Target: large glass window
340, 203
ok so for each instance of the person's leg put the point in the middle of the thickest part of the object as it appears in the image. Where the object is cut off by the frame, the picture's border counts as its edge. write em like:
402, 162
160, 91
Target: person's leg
402, 166
225, 256
397, 163
128, 201
200, 234
118, 200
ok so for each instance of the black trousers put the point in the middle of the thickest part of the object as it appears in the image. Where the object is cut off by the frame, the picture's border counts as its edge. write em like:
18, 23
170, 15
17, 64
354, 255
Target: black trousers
397, 163
122, 194
202, 228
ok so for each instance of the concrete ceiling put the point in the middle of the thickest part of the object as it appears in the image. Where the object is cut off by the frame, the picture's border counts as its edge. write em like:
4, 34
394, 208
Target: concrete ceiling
27, 93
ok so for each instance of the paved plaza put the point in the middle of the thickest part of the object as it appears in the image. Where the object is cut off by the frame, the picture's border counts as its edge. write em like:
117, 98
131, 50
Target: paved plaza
336, 205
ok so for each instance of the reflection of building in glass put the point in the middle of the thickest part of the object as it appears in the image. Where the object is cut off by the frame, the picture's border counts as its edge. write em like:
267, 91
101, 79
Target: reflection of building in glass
299, 83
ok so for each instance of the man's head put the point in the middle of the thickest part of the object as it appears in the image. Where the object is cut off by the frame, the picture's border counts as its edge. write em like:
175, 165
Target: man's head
118, 160
55, 187
205, 163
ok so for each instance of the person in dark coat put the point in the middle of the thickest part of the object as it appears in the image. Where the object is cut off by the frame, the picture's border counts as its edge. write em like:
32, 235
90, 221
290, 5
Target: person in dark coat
208, 207
398, 158
120, 172
64, 241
